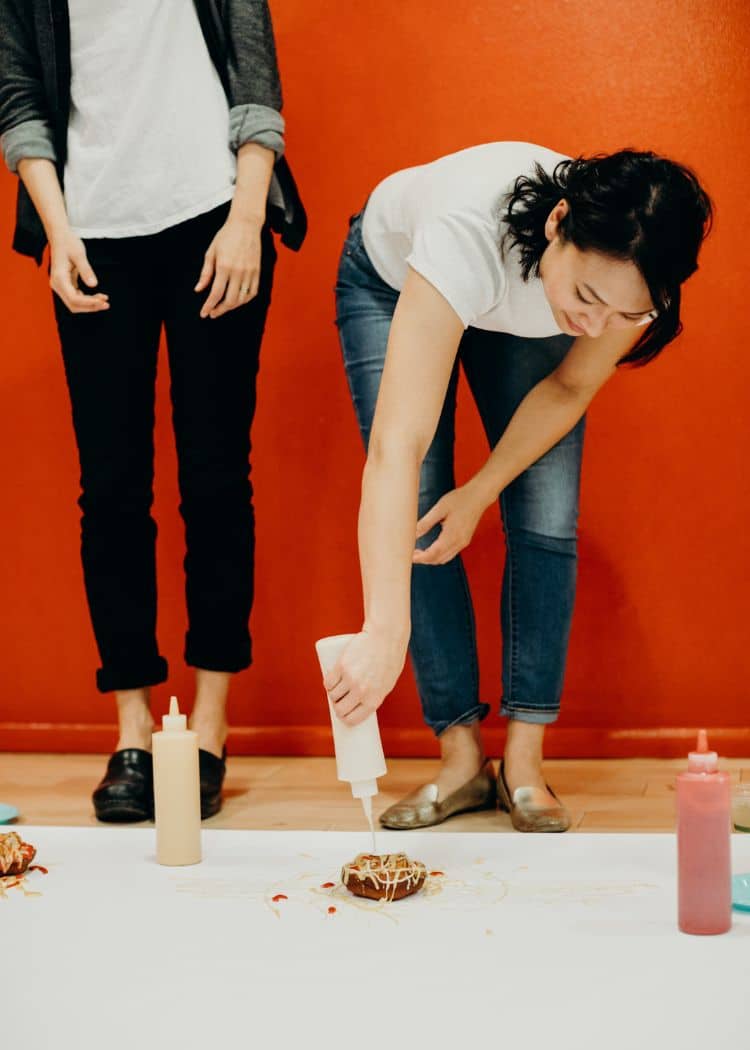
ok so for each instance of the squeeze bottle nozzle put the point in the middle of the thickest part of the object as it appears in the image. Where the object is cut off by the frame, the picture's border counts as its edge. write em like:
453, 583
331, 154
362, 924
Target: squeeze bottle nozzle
702, 760
174, 720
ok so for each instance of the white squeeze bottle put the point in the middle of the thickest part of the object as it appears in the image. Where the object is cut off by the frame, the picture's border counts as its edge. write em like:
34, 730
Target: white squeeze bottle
359, 751
177, 790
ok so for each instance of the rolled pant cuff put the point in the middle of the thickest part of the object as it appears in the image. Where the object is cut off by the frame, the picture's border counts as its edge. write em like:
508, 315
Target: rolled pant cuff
474, 714
230, 662
535, 715
140, 676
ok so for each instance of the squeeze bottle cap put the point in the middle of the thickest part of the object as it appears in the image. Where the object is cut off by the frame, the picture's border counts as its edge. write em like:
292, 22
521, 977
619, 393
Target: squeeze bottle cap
702, 760
364, 788
174, 720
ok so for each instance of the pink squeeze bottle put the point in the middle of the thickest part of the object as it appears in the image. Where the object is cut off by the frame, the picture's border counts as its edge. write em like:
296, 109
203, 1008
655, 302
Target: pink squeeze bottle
704, 830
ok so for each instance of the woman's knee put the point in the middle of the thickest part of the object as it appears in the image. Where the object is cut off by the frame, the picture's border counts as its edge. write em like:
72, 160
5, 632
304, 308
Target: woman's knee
564, 542
435, 479
111, 498
545, 499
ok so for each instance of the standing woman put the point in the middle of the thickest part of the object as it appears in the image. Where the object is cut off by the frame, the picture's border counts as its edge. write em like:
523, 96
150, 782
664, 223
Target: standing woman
540, 276
149, 142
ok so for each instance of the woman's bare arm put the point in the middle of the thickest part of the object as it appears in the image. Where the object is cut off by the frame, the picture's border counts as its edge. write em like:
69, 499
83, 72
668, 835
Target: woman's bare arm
68, 259
232, 261
421, 353
549, 411
422, 348
552, 408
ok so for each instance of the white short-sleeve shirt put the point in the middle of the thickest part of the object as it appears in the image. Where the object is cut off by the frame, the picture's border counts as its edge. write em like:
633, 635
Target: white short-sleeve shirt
148, 134
444, 220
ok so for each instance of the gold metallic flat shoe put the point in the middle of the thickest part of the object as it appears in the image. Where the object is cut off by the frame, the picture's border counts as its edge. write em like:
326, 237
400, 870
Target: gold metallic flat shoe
527, 811
422, 809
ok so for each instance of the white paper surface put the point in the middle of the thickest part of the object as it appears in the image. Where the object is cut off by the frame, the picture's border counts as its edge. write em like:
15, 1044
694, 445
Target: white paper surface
532, 941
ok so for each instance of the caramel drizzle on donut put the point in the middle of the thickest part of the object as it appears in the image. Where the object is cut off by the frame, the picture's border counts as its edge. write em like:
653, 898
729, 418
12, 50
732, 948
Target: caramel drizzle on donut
15, 854
387, 873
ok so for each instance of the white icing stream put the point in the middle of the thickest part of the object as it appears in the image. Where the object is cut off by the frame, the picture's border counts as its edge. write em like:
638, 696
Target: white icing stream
367, 807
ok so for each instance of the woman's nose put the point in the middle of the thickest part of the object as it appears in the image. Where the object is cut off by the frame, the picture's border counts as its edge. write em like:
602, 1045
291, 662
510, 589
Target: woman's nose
593, 329
593, 323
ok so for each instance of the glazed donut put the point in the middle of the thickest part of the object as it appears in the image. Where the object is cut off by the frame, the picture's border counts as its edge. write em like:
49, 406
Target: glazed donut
15, 854
389, 877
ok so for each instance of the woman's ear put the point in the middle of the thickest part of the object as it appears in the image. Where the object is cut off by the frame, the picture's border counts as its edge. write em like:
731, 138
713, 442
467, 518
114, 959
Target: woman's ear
554, 219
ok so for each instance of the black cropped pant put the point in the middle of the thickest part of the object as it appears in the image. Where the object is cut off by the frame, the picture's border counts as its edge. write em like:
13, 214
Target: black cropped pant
110, 363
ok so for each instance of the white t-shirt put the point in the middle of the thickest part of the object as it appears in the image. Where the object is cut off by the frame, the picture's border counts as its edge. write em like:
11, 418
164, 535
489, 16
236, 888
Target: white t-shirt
444, 220
148, 136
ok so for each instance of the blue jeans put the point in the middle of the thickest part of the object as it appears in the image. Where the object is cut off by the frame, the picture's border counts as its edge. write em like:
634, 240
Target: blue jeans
539, 512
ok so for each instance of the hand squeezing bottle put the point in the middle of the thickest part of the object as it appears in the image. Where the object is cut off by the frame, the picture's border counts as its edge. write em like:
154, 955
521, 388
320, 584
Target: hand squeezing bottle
359, 752
704, 843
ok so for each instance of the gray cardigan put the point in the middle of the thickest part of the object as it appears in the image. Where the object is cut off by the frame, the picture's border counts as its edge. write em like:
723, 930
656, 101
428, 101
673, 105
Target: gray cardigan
35, 97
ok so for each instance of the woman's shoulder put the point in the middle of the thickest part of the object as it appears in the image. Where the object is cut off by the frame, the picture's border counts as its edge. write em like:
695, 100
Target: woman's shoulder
509, 156
475, 180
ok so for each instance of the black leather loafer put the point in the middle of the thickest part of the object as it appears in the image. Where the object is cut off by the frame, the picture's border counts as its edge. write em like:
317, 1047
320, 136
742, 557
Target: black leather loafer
212, 770
126, 793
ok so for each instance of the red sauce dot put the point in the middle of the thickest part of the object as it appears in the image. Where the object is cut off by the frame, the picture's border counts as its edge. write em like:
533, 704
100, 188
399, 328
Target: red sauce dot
435, 873
280, 897
331, 911
328, 885
38, 867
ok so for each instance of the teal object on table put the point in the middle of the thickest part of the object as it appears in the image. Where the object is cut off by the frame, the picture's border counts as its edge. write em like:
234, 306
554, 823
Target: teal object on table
741, 891
7, 813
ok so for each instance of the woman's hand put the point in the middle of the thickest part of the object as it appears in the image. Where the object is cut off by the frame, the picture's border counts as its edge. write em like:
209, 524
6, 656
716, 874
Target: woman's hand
458, 512
68, 263
364, 675
68, 260
233, 261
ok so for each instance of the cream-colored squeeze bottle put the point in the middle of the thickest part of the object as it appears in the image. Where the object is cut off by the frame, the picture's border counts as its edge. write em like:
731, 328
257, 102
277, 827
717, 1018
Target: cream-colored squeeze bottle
177, 790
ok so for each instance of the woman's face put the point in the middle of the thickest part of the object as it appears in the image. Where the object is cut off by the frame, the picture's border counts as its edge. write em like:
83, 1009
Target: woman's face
589, 292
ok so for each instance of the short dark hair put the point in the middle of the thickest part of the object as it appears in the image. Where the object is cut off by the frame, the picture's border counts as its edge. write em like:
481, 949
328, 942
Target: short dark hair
629, 205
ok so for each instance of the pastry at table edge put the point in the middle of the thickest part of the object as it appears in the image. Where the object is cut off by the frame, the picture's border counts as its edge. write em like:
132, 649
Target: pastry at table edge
15, 854
389, 877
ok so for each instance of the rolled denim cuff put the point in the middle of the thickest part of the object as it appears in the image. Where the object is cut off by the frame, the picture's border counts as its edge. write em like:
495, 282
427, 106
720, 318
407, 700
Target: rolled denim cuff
261, 124
536, 716
474, 714
32, 138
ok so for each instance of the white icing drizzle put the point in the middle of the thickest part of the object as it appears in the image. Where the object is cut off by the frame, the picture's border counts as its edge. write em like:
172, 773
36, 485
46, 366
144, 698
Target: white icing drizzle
386, 873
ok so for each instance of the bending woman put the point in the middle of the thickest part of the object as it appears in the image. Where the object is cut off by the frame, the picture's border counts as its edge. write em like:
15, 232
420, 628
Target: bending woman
148, 146
540, 276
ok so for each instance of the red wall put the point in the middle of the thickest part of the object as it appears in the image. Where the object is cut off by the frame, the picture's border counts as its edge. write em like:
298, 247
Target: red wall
660, 636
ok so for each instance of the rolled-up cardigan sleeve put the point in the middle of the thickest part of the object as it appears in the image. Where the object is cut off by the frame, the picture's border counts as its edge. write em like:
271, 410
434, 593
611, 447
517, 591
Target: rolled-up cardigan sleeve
254, 84
253, 123
25, 128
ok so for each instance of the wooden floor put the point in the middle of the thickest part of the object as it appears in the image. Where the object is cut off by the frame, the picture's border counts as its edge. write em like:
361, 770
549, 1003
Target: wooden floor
292, 793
